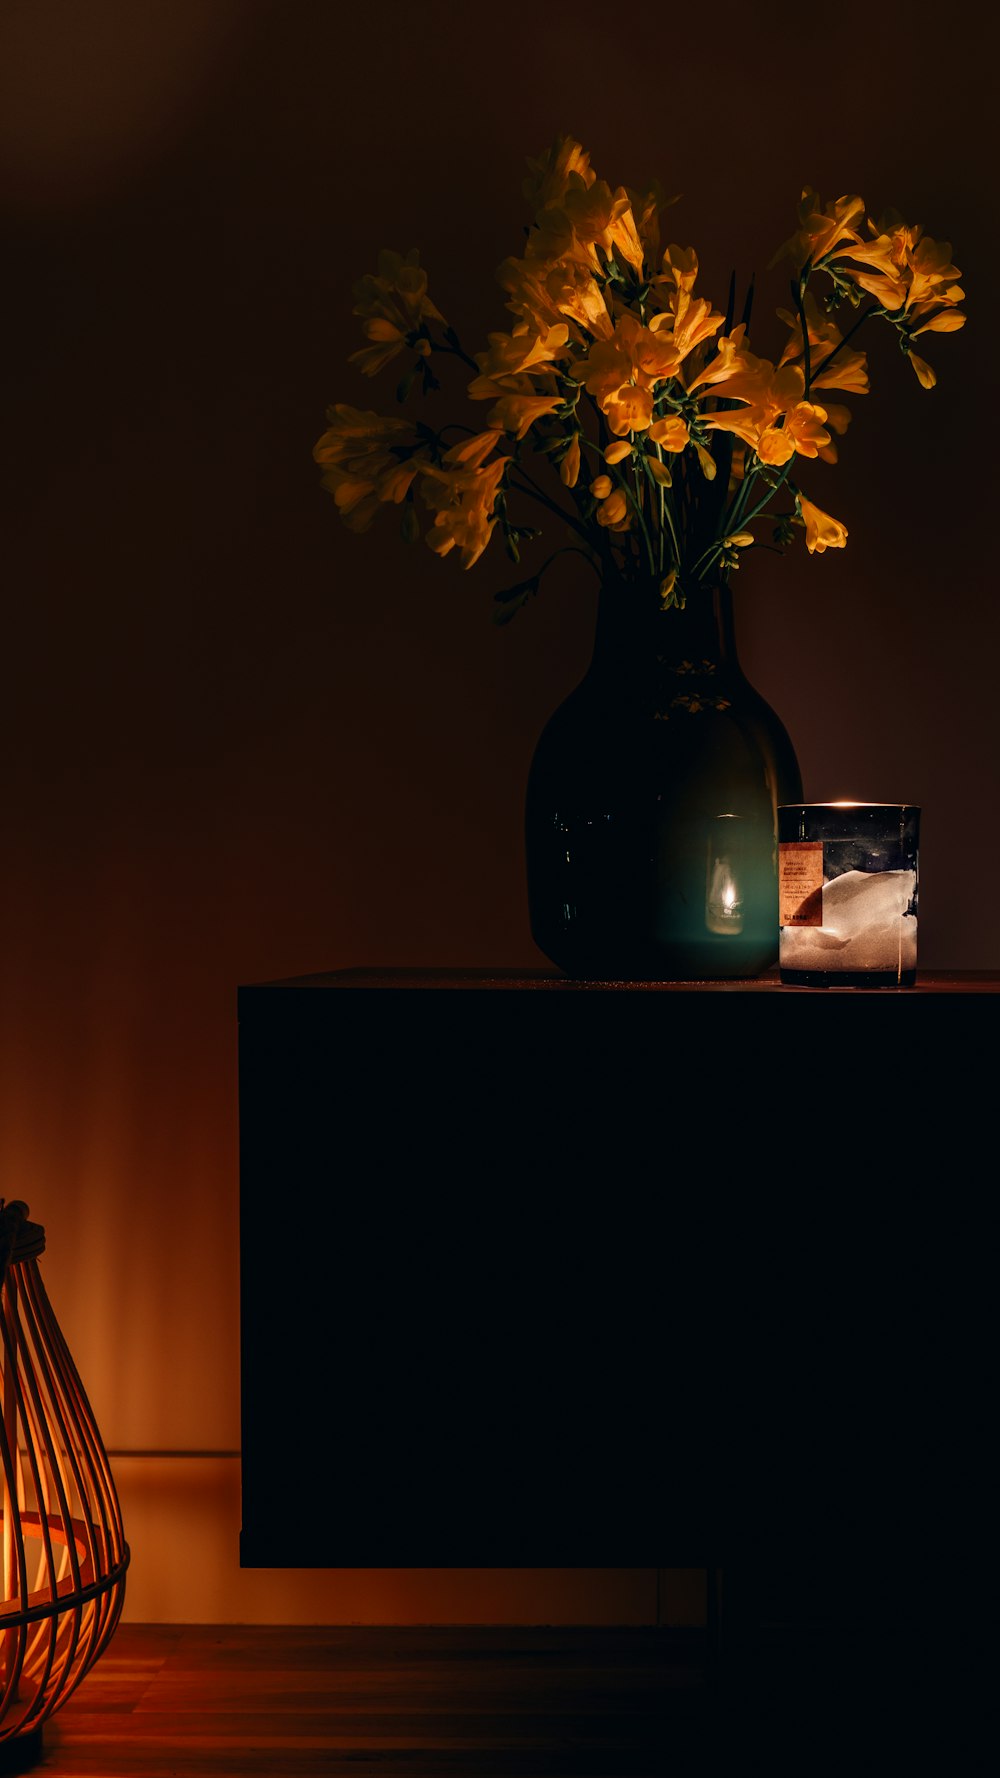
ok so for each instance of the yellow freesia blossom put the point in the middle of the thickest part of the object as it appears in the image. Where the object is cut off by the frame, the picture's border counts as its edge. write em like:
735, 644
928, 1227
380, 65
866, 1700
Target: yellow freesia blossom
569, 467
544, 294
367, 461
394, 305
528, 297
612, 513
838, 419
822, 531
848, 371
622, 373
463, 500
734, 365
688, 320
524, 349
616, 375
519, 403
901, 266
473, 451
821, 230
776, 421
647, 207
603, 218
925, 374
549, 174
671, 433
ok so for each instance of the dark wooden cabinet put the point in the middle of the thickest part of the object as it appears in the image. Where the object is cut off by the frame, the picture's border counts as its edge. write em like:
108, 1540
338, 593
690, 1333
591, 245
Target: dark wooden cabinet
545, 1273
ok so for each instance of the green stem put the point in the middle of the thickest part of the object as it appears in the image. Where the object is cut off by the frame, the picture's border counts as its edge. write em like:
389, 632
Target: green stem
667, 513
744, 519
629, 495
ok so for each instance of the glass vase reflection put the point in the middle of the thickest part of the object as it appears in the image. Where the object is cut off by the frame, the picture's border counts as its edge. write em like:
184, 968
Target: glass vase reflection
848, 881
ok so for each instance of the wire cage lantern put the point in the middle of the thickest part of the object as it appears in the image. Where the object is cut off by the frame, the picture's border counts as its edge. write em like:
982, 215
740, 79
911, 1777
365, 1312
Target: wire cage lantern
64, 1552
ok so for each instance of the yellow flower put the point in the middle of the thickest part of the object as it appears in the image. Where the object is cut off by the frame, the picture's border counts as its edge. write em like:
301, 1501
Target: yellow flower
616, 451
519, 404
941, 320
543, 294
569, 468
577, 295
670, 433
801, 431
613, 512
608, 365
630, 409
525, 283
622, 373
735, 365
680, 266
838, 418
464, 500
687, 320
367, 461
776, 421
878, 267
820, 231
553, 238
925, 375
602, 217
524, 349
472, 452
601, 486
932, 277
822, 531
659, 471
849, 370
393, 304
912, 277
646, 207
549, 175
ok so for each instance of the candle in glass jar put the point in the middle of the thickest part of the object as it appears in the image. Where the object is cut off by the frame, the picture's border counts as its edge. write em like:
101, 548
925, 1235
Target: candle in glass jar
847, 876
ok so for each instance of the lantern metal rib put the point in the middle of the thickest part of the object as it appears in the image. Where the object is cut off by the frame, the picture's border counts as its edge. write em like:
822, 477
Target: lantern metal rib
63, 1546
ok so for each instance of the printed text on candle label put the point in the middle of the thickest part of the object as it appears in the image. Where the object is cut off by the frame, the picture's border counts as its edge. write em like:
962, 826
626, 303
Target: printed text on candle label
800, 883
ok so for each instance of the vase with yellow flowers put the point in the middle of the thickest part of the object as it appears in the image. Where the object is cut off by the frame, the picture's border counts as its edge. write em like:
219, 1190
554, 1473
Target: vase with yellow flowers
630, 423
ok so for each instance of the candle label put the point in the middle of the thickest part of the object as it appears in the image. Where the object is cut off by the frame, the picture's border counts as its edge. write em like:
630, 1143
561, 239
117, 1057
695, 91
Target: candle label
800, 883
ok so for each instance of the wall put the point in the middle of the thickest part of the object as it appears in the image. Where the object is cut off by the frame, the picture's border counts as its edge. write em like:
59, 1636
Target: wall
238, 742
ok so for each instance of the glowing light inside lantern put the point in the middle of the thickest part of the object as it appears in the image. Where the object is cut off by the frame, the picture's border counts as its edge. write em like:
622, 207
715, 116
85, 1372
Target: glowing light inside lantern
724, 904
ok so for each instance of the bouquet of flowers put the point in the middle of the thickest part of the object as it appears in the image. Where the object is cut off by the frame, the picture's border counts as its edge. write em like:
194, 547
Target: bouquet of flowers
663, 436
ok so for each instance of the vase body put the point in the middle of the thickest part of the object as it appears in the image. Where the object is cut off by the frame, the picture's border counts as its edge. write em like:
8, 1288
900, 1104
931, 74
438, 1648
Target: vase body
651, 817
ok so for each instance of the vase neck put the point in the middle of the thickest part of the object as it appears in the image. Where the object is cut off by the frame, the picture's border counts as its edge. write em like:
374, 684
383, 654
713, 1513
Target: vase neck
633, 630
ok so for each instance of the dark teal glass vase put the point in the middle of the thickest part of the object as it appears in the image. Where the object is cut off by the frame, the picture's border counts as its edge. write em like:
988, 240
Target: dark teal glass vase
651, 818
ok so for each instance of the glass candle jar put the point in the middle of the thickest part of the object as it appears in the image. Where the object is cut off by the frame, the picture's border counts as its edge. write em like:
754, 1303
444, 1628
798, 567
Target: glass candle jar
847, 879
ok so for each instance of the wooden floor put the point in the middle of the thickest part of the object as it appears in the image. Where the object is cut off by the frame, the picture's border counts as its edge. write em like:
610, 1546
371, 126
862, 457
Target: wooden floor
386, 1703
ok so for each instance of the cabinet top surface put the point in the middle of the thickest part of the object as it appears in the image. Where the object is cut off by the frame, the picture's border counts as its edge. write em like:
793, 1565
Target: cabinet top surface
933, 981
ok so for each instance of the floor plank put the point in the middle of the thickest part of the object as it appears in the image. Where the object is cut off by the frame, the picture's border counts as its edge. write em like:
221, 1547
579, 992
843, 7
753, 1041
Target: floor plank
208, 1701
